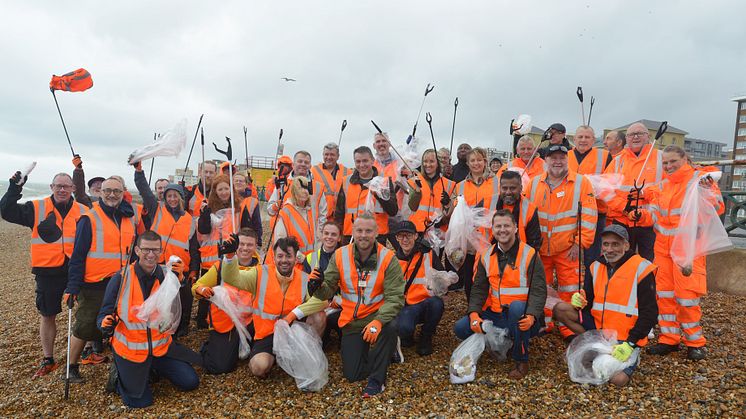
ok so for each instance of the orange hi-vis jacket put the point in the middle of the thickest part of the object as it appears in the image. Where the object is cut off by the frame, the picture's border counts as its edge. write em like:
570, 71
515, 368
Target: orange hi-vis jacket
417, 292
430, 200
630, 166
593, 164
52, 255
391, 171
303, 229
219, 320
487, 192
665, 202
527, 211
355, 197
558, 212
331, 184
270, 303
513, 284
109, 243
195, 202
362, 292
615, 298
537, 167
133, 339
174, 234
249, 204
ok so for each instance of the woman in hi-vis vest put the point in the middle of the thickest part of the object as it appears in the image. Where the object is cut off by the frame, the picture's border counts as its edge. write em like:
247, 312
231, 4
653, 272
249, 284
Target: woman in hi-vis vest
298, 219
432, 197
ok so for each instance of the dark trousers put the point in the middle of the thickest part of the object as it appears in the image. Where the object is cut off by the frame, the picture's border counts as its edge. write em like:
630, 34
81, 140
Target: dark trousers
220, 352
180, 373
593, 252
185, 295
466, 274
507, 319
427, 313
361, 360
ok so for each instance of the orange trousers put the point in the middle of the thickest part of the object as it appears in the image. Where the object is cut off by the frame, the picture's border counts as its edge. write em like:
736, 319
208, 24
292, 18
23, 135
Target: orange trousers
678, 301
567, 283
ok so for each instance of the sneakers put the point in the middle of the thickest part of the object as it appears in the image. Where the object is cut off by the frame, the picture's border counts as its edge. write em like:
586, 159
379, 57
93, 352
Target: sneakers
90, 357
696, 354
75, 377
47, 365
663, 349
398, 356
425, 346
373, 389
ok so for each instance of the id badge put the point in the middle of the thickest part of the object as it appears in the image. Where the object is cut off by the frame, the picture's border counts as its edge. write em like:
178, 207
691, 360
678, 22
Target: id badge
362, 284
560, 194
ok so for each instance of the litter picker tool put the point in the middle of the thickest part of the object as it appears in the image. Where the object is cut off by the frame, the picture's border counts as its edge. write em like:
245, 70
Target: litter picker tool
453, 126
341, 130
202, 175
228, 153
199, 124
590, 111
246, 146
69, 333
429, 119
428, 89
579, 92
661, 130
394, 148
581, 271
278, 152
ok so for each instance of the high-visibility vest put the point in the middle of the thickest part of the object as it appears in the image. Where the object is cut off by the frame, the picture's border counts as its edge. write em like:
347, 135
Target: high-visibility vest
362, 291
52, 255
249, 204
303, 229
417, 292
558, 212
513, 284
527, 211
592, 164
355, 197
630, 166
390, 170
615, 298
430, 200
110, 244
175, 235
219, 320
538, 166
195, 202
133, 339
270, 304
331, 184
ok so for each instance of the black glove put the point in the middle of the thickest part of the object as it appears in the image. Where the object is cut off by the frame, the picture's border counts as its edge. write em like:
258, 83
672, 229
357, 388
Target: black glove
315, 279
182, 183
392, 189
228, 246
16, 179
636, 215
511, 126
445, 200
48, 229
418, 182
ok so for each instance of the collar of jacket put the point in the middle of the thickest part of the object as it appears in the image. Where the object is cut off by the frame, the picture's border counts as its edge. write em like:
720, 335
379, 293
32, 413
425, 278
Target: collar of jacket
175, 212
147, 279
511, 254
123, 210
430, 180
62, 207
485, 175
371, 263
356, 180
682, 175
385, 161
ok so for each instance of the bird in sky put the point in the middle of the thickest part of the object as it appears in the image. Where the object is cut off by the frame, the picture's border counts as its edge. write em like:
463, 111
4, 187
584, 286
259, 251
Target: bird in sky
288, 79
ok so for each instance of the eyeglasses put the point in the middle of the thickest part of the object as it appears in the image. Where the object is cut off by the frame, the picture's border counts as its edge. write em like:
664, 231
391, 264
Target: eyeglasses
151, 251
108, 191
59, 187
637, 134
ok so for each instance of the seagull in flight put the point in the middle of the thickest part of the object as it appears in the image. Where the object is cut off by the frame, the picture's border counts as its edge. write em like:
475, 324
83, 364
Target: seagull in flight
287, 79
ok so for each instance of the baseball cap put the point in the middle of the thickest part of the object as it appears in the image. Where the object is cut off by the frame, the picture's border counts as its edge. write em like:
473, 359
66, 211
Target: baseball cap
558, 127
406, 227
617, 229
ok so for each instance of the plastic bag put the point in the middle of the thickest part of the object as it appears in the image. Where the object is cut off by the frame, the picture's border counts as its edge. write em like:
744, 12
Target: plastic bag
497, 340
229, 300
700, 231
221, 224
464, 233
589, 357
163, 307
605, 185
25, 172
379, 185
522, 125
411, 151
437, 282
298, 351
463, 365
434, 237
169, 144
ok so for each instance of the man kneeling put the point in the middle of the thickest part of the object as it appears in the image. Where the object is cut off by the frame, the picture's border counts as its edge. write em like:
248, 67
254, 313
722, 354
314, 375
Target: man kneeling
139, 349
618, 294
509, 283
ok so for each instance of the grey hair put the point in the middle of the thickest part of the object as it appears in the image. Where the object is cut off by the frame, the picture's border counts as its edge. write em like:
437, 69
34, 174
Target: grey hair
331, 146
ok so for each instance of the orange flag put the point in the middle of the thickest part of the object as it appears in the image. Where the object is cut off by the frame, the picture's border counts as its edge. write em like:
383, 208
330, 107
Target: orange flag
74, 81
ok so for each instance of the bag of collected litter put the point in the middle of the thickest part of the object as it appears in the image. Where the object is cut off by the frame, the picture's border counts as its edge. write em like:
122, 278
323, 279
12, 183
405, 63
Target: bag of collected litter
700, 231
163, 307
522, 125
411, 151
605, 185
221, 226
463, 365
169, 144
298, 351
589, 357
437, 282
228, 299
380, 186
497, 340
464, 234
434, 237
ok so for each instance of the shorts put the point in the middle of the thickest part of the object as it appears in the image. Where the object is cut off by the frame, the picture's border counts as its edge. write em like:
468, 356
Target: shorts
49, 291
263, 345
590, 324
89, 304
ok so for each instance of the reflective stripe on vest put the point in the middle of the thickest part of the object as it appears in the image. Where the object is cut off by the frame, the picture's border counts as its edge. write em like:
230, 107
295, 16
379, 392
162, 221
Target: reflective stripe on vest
261, 294
306, 236
524, 252
350, 270
631, 307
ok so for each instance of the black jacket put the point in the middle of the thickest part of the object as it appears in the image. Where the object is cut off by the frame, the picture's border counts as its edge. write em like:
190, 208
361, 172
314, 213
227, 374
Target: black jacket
391, 206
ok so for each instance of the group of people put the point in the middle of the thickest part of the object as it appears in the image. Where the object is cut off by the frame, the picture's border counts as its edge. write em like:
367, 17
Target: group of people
346, 255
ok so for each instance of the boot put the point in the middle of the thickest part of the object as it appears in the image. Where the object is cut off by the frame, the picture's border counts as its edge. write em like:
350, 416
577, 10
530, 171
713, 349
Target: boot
520, 370
425, 346
696, 354
75, 377
663, 349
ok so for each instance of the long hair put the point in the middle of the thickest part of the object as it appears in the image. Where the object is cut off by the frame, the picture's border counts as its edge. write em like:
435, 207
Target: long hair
214, 202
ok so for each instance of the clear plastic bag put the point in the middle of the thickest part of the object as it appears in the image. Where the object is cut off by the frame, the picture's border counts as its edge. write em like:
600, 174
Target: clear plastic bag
497, 340
605, 185
434, 237
464, 234
464, 360
25, 172
380, 186
437, 282
700, 231
169, 144
298, 351
522, 124
589, 357
229, 300
163, 307
221, 224
412, 150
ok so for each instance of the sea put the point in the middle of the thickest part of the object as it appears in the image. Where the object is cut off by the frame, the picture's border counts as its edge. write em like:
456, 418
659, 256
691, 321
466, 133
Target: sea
31, 190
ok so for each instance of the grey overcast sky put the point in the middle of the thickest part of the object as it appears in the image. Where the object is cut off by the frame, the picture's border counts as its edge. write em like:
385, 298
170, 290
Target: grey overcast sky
154, 63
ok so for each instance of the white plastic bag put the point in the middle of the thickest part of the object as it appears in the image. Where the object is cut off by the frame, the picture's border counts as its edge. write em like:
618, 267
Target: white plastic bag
463, 233
25, 172
163, 307
589, 357
522, 124
380, 186
700, 231
437, 282
497, 340
298, 351
463, 365
169, 144
229, 300
605, 185
434, 237
412, 151
221, 226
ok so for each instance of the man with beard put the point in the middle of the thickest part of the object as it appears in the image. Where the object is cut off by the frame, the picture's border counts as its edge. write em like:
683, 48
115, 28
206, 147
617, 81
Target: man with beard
461, 169
523, 210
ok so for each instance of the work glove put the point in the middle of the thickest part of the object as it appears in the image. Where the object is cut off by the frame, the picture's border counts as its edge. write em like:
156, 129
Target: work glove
475, 322
290, 318
77, 161
70, 299
228, 247
315, 279
48, 229
418, 182
578, 300
137, 166
108, 321
16, 179
371, 331
622, 351
204, 292
445, 200
182, 183
392, 190
178, 269
526, 322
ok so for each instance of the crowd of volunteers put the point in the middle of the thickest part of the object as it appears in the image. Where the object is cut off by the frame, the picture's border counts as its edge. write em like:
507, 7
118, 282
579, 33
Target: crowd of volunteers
357, 254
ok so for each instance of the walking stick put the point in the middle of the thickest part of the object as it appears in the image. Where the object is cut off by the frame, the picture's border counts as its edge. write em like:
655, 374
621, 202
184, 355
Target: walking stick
428, 89
590, 111
199, 124
63, 126
453, 126
579, 92
344, 125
